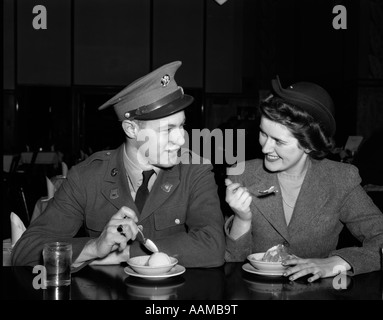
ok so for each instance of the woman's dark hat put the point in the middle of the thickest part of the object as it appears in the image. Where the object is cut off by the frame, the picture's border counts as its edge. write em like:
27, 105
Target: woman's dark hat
312, 98
153, 96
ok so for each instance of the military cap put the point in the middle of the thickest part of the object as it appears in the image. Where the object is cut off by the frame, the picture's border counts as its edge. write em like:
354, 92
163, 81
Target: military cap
153, 96
312, 98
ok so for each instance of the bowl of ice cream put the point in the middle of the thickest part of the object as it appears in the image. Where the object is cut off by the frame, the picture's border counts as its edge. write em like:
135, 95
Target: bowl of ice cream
155, 264
256, 261
271, 260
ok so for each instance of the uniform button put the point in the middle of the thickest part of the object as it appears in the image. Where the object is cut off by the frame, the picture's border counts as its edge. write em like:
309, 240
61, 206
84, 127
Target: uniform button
108, 153
114, 172
177, 221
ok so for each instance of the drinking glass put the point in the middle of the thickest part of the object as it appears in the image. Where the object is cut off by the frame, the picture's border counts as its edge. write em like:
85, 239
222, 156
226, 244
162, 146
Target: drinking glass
57, 262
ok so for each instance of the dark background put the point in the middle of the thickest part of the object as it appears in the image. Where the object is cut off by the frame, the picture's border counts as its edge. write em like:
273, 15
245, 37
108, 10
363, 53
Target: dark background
54, 79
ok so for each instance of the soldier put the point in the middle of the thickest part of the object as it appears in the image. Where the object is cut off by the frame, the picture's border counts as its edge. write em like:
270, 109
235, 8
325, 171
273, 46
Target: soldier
106, 193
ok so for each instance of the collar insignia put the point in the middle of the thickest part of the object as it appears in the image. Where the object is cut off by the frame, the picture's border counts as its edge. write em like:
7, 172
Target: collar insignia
114, 194
166, 187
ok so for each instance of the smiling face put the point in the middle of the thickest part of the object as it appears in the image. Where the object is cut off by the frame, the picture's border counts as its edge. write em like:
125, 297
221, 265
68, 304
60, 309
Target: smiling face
282, 150
158, 141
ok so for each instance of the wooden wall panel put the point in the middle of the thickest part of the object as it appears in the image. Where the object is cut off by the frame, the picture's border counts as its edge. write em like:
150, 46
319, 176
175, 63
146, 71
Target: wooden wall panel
224, 43
44, 55
111, 41
9, 45
9, 123
178, 35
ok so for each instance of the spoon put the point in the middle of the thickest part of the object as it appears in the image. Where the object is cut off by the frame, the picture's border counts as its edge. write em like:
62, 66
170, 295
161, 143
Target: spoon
261, 193
272, 189
149, 244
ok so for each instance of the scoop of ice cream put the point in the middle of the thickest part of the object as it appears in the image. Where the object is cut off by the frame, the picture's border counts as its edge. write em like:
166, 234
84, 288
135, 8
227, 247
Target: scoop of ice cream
276, 254
159, 259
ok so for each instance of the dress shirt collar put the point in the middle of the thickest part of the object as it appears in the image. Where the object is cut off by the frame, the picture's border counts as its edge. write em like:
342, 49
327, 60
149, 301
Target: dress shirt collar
134, 171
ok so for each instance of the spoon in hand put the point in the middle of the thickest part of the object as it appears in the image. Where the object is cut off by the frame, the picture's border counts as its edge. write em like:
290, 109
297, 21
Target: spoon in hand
149, 244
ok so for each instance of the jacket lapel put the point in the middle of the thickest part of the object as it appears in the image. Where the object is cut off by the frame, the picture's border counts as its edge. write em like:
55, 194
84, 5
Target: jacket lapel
270, 206
164, 186
312, 197
116, 188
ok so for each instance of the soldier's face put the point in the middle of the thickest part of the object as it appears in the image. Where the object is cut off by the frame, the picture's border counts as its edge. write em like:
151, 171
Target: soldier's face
160, 140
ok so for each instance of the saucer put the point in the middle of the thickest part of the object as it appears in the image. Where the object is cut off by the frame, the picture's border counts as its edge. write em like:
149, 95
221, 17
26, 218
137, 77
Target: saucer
175, 271
249, 268
265, 287
163, 289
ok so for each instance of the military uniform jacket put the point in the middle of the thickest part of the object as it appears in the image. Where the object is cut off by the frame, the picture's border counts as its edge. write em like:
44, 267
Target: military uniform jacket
182, 213
330, 196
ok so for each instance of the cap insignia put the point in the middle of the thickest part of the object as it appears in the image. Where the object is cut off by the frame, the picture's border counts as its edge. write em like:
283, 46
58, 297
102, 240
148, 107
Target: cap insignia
165, 80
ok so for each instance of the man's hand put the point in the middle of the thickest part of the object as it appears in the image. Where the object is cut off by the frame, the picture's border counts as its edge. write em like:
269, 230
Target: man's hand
115, 257
113, 239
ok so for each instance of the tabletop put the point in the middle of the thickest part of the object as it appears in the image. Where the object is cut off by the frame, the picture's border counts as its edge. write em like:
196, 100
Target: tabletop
229, 282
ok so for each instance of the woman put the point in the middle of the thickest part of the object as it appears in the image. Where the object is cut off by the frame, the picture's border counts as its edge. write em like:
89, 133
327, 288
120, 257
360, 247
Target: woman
307, 198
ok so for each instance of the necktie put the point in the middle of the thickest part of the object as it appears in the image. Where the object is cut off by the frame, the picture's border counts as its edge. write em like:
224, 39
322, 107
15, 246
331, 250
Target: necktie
143, 192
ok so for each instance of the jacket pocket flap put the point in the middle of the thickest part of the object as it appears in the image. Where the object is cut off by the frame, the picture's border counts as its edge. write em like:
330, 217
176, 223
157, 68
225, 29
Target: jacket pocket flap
170, 217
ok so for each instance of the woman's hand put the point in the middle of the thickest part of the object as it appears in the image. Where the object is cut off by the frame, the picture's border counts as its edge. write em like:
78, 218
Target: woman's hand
239, 199
319, 268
